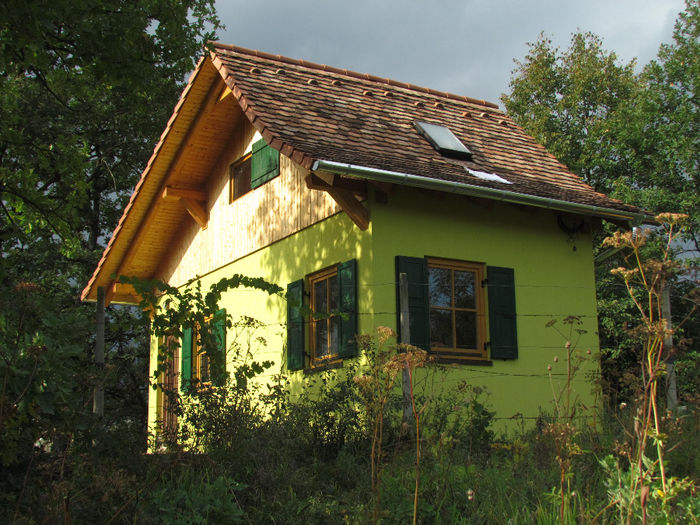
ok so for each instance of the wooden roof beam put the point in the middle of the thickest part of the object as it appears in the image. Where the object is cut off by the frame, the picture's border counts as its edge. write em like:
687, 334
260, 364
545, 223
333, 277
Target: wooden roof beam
317, 181
344, 196
193, 199
181, 192
137, 239
196, 211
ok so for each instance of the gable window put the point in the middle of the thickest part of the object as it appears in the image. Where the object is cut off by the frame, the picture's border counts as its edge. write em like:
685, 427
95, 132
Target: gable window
256, 168
329, 310
195, 360
447, 309
240, 178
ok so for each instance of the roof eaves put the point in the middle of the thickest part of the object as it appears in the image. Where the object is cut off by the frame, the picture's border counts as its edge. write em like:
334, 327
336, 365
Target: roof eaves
419, 181
256, 119
87, 291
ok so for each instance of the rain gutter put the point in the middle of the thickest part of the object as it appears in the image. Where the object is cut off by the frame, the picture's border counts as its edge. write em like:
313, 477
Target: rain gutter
419, 181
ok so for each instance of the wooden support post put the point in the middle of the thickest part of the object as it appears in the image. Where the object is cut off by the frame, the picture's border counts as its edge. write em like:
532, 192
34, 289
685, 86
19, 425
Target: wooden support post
671, 389
197, 212
98, 405
344, 194
405, 338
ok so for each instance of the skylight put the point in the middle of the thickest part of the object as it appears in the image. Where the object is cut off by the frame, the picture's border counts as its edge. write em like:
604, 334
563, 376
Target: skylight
443, 140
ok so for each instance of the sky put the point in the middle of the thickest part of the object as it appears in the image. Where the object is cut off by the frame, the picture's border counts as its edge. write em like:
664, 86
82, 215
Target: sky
466, 47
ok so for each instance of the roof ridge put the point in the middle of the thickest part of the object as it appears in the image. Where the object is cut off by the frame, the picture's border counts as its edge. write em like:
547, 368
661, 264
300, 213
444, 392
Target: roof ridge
353, 74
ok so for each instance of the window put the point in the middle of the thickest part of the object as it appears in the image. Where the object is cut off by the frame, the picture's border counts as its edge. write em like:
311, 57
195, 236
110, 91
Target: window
443, 140
196, 363
457, 310
254, 169
324, 319
200, 361
167, 395
447, 308
240, 178
330, 314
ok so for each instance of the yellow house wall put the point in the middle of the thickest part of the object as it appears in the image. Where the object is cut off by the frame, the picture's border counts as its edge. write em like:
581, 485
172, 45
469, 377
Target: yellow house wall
553, 278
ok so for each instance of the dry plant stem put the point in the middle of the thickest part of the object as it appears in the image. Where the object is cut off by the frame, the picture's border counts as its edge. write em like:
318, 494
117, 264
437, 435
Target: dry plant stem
377, 452
24, 486
653, 357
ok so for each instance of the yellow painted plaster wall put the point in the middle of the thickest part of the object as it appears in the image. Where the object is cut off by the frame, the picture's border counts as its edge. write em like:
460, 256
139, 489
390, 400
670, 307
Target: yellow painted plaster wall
553, 278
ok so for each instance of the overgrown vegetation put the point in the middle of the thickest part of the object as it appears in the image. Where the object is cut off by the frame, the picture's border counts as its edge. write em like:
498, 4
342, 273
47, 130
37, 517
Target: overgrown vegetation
341, 451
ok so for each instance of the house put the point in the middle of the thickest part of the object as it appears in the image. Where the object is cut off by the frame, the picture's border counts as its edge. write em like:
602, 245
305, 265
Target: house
332, 183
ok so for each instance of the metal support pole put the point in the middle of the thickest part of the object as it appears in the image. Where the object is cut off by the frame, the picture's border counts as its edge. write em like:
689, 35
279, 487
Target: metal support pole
671, 389
98, 405
405, 338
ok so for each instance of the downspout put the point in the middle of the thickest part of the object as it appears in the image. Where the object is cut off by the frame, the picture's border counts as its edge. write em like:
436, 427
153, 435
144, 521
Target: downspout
418, 181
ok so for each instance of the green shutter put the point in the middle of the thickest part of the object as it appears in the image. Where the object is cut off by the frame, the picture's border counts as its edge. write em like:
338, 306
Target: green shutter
217, 356
416, 271
264, 164
186, 358
347, 282
502, 323
295, 325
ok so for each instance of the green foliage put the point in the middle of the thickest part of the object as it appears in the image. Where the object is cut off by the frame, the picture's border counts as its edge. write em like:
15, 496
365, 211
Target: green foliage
195, 496
174, 309
565, 100
40, 348
678, 503
85, 89
658, 130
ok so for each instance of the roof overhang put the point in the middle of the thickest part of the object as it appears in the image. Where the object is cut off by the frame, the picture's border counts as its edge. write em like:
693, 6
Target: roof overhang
171, 189
461, 188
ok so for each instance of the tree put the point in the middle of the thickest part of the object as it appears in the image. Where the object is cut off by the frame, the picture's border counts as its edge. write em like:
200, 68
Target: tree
658, 130
565, 100
86, 87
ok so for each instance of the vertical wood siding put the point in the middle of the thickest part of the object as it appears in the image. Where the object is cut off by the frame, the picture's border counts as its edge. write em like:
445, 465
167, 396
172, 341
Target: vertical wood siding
275, 210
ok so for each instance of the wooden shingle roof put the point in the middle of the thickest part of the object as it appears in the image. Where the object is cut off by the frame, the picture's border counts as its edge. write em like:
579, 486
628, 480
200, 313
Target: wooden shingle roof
315, 112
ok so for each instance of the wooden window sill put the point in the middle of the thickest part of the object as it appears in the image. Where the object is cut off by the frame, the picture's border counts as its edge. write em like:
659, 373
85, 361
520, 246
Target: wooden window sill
331, 365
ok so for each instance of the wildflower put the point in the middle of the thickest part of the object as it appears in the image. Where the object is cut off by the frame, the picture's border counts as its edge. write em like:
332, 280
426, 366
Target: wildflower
623, 405
470, 494
671, 218
385, 333
624, 272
